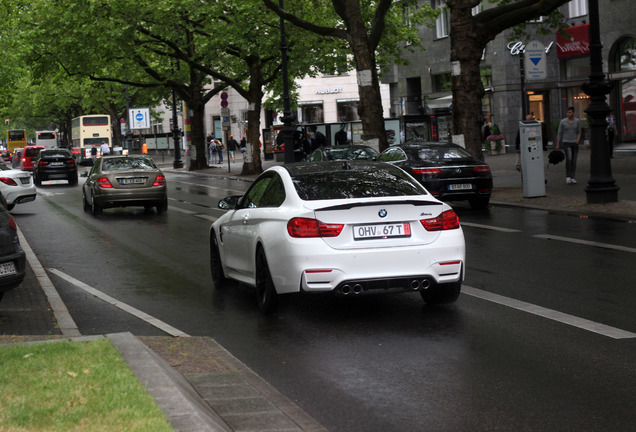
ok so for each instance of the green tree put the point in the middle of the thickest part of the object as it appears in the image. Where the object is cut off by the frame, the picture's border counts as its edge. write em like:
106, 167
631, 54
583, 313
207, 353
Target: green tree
368, 28
469, 35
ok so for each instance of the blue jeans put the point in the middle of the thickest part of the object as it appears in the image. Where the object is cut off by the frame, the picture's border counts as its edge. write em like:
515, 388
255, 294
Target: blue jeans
571, 153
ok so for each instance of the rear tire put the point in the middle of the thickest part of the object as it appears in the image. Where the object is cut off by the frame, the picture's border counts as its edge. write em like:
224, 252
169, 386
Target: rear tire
163, 207
442, 293
72, 180
265, 291
216, 267
96, 209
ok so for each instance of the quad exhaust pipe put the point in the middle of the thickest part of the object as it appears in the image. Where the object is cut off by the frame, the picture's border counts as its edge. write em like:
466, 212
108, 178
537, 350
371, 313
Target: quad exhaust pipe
349, 289
420, 284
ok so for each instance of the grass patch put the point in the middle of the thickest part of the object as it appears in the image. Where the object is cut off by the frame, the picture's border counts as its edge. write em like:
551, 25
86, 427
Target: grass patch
73, 386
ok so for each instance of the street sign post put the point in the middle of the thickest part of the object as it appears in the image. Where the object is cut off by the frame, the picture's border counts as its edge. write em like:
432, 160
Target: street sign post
535, 61
139, 118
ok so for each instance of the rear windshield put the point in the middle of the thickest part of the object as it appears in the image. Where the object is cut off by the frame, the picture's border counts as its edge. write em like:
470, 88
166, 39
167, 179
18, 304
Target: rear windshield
443, 153
55, 153
125, 163
30, 152
381, 182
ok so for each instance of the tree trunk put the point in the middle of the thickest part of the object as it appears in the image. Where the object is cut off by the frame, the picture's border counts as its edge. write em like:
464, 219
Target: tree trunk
254, 100
468, 90
196, 106
370, 107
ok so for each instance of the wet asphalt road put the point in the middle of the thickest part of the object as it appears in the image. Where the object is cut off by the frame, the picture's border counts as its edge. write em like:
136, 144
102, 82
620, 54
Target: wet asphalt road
377, 363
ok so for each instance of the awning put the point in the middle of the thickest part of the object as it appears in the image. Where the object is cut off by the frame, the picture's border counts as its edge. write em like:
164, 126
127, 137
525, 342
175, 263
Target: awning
443, 103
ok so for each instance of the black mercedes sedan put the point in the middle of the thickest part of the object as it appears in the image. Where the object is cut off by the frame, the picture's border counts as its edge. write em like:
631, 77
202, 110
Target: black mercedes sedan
446, 170
12, 257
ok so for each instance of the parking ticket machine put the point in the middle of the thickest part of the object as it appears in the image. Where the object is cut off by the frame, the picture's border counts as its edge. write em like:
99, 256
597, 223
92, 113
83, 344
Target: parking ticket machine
531, 149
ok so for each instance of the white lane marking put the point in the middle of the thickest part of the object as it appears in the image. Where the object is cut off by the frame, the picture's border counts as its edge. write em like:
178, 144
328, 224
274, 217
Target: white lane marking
561, 317
239, 192
585, 242
123, 306
488, 227
206, 217
62, 316
184, 211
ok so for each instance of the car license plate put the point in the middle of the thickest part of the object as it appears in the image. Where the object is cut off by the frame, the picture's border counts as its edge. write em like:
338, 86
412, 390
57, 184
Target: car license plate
381, 231
7, 269
136, 180
57, 163
461, 186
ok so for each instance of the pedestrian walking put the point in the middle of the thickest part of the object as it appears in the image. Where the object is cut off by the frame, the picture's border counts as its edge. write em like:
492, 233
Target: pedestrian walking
611, 132
569, 135
104, 149
94, 154
232, 145
213, 152
243, 146
219, 150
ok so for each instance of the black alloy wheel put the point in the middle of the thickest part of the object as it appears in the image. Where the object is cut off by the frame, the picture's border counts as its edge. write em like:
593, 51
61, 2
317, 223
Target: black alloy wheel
265, 291
96, 209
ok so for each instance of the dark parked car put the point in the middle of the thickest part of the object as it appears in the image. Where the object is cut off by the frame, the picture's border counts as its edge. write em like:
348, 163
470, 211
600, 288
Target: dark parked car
28, 157
342, 152
6, 156
12, 257
121, 181
446, 170
54, 164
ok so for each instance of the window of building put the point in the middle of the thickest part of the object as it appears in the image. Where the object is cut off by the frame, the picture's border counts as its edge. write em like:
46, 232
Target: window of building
626, 55
311, 112
442, 82
442, 23
577, 8
577, 68
348, 110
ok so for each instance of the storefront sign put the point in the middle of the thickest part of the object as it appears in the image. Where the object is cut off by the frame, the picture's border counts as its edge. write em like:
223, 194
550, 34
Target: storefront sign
519, 47
329, 90
574, 42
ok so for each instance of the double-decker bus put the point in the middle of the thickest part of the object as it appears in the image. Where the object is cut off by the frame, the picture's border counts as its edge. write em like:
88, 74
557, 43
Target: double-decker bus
16, 138
89, 131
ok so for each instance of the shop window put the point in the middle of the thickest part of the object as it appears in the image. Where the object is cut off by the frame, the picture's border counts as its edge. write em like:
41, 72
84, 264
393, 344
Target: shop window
577, 68
348, 111
442, 23
577, 8
311, 112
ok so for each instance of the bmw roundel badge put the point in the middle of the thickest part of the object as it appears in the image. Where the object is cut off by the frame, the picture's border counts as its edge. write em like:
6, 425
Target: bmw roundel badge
382, 213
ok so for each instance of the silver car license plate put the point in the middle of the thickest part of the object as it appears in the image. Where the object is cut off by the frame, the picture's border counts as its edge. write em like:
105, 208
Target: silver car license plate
136, 180
461, 186
7, 269
381, 231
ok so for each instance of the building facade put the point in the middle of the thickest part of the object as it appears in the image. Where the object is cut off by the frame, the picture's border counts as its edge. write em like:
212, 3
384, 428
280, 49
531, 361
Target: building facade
424, 87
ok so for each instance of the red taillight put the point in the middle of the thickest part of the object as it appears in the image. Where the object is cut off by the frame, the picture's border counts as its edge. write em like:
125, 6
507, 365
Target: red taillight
70, 162
104, 182
159, 181
8, 181
12, 224
43, 163
482, 169
448, 220
427, 171
306, 227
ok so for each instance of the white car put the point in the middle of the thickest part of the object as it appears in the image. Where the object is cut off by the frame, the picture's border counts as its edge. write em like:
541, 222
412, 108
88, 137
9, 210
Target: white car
350, 227
16, 185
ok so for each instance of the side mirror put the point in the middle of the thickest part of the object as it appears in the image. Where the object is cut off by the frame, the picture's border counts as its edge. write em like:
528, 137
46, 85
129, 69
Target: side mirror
230, 202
